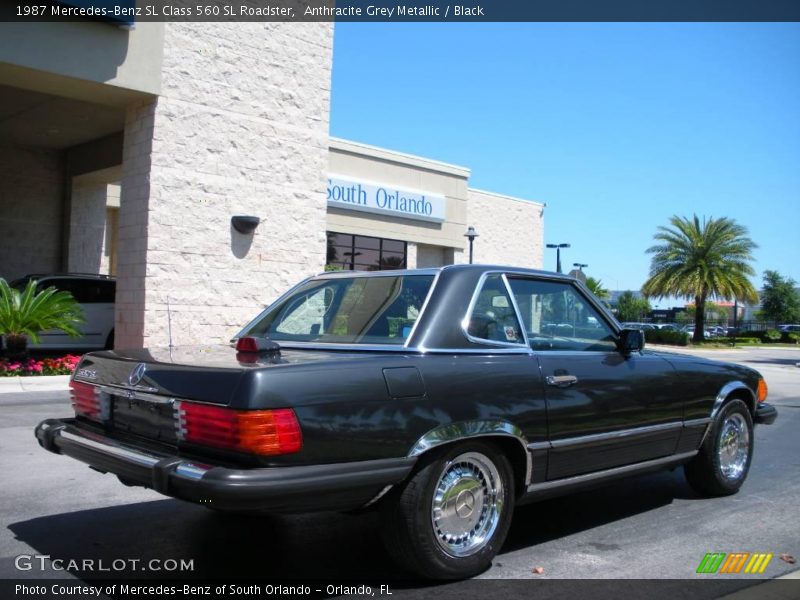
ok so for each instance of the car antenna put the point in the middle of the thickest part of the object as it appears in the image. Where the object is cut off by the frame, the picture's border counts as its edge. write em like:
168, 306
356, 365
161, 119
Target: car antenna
169, 328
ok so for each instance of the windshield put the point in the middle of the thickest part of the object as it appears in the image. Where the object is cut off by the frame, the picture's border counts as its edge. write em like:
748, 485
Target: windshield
347, 310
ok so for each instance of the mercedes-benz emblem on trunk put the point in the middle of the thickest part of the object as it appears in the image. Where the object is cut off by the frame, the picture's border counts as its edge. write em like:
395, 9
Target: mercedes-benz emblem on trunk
137, 374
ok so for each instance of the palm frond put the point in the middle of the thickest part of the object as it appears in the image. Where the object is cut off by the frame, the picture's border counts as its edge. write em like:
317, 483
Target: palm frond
29, 312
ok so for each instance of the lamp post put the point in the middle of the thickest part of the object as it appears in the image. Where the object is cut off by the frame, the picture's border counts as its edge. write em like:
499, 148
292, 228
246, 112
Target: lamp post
558, 248
471, 235
578, 273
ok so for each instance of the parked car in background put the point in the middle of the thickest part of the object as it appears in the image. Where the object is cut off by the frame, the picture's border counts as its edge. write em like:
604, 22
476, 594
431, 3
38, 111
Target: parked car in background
789, 328
95, 294
666, 326
441, 398
690, 330
642, 326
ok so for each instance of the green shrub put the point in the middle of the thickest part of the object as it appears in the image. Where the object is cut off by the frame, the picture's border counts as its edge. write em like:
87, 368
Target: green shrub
771, 336
24, 314
748, 340
748, 333
790, 337
665, 336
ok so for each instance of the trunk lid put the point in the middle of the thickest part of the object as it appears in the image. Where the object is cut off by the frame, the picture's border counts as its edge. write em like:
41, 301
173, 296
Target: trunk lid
212, 374
142, 392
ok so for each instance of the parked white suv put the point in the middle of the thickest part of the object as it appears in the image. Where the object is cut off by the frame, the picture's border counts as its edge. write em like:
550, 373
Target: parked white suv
95, 294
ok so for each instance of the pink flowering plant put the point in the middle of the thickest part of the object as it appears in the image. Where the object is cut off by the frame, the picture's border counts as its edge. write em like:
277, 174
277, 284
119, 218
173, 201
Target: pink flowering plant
63, 365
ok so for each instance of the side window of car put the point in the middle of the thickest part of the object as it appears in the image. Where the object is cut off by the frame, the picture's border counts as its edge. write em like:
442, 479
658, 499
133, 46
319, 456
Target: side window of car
86, 292
106, 291
493, 316
62, 285
557, 317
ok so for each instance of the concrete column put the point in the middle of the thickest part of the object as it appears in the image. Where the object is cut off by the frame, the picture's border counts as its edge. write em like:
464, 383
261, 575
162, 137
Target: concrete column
411, 255
241, 128
88, 226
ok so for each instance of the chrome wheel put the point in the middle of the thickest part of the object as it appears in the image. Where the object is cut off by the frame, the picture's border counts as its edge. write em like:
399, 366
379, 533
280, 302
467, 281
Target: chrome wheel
734, 446
467, 504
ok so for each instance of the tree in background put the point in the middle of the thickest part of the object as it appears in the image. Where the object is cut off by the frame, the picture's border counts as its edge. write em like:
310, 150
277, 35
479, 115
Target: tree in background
632, 308
780, 301
700, 260
596, 287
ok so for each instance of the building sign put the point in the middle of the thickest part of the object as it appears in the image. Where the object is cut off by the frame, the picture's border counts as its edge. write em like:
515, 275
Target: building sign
352, 194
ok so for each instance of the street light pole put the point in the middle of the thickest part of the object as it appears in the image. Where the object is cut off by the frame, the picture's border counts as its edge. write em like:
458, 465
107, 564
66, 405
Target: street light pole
558, 248
471, 235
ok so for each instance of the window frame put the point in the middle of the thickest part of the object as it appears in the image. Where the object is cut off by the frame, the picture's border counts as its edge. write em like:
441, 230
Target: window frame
471, 309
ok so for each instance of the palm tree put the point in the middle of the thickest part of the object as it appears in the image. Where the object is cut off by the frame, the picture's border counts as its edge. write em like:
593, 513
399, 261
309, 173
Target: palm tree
23, 314
596, 287
701, 260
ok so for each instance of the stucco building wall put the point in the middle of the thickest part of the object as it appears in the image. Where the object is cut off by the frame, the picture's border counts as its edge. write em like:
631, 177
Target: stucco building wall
511, 230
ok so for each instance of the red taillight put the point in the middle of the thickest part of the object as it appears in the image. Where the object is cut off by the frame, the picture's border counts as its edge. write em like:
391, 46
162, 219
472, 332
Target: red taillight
247, 344
265, 432
85, 400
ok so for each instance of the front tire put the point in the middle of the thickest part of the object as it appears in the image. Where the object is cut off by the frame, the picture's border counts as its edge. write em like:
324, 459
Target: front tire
722, 464
450, 519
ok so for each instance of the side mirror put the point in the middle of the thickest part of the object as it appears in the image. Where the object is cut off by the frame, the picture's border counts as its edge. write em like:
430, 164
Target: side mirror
631, 340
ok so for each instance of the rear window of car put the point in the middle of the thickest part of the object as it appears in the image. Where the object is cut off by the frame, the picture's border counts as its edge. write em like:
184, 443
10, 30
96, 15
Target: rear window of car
347, 310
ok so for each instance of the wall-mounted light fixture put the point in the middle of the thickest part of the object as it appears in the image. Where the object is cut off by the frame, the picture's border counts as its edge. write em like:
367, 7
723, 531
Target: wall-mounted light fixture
245, 224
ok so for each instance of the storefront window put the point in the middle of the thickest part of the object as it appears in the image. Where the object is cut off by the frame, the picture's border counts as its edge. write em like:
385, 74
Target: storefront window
363, 253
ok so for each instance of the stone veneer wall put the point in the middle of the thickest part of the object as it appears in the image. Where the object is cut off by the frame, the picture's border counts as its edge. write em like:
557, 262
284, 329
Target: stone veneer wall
510, 230
31, 188
87, 239
241, 127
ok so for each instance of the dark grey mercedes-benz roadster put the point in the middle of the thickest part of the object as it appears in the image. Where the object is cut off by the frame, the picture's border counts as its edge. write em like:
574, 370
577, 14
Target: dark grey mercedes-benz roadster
441, 397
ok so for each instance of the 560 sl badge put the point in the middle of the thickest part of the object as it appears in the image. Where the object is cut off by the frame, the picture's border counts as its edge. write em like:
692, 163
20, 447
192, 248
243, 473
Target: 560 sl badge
87, 373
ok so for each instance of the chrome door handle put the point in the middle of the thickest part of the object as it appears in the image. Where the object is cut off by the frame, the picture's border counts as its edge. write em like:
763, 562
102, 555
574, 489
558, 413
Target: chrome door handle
561, 380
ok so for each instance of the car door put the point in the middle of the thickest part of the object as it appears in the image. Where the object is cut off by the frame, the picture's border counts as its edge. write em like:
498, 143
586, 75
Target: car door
604, 409
96, 298
56, 338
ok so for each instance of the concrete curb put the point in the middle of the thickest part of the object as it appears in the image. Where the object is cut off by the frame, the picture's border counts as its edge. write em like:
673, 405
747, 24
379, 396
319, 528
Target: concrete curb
45, 383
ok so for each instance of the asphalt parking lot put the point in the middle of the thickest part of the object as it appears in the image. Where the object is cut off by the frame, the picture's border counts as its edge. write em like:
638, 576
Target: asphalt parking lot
652, 527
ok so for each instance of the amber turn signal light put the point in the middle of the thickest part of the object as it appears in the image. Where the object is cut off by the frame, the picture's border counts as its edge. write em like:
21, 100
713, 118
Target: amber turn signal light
761, 393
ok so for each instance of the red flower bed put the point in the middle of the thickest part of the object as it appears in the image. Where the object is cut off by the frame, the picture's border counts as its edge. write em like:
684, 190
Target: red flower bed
63, 365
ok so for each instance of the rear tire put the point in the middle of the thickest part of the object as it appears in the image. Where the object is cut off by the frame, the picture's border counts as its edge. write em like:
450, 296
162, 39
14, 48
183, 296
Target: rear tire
450, 519
722, 464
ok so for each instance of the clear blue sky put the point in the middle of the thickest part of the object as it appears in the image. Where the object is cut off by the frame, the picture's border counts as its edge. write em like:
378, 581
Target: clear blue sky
615, 126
